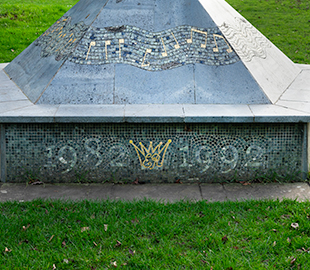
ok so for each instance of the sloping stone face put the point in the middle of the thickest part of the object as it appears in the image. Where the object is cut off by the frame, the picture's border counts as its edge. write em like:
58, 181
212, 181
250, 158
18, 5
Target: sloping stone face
134, 52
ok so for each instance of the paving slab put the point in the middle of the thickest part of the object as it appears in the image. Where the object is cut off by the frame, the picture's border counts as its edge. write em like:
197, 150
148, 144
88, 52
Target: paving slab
161, 192
302, 81
139, 113
301, 95
275, 113
213, 192
23, 192
217, 112
166, 192
12, 106
158, 192
29, 113
85, 113
302, 106
299, 191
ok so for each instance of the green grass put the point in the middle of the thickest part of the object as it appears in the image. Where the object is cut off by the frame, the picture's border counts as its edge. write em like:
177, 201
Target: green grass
21, 22
285, 22
150, 235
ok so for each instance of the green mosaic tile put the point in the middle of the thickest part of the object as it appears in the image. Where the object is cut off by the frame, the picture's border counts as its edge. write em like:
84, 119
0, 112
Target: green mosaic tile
151, 152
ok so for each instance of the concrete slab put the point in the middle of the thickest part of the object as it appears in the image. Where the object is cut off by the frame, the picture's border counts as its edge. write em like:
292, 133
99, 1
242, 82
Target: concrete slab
276, 113
299, 191
169, 14
154, 113
158, 192
29, 113
137, 86
8, 89
81, 84
230, 84
166, 192
303, 66
90, 113
302, 81
9, 106
21, 111
213, 113
22, 192
8, 93
213, 192
302, 106
127, 13
301, 95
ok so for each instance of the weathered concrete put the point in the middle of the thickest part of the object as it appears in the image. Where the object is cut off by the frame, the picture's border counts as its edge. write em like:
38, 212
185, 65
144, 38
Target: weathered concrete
162, 192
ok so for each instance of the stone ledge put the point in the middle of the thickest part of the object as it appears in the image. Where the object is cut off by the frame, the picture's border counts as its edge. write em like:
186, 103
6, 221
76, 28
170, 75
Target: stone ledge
21, 110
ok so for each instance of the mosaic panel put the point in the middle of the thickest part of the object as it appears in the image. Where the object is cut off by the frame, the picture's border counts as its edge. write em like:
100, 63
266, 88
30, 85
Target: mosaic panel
153, 51
151, 152
61, 38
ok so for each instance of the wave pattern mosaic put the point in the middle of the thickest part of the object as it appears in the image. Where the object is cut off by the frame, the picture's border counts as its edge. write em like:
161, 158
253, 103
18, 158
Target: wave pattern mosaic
153, 51
152, 152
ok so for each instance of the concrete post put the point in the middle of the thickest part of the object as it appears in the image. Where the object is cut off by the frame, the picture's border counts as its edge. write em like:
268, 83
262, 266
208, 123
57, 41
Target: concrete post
2, 154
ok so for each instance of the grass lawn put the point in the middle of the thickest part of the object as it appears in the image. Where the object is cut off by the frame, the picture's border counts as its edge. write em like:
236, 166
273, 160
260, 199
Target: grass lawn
285, 22
146, 234
151, 235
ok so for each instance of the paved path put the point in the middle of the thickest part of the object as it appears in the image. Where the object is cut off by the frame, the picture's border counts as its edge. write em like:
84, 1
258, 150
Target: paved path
165, 192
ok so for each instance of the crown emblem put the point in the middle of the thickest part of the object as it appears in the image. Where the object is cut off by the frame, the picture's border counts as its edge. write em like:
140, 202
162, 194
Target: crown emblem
151, 157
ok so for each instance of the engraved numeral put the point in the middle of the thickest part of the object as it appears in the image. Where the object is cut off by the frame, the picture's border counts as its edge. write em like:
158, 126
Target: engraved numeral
185, 150
65, 151
204, 156
118, 154
49, 156
88, 146
255, 152
229, 158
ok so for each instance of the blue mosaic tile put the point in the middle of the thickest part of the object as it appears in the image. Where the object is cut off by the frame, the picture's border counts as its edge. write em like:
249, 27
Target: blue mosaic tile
153, 51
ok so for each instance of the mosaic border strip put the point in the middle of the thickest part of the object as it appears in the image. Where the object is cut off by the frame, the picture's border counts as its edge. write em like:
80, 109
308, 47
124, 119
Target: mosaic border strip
152, 152
152, 51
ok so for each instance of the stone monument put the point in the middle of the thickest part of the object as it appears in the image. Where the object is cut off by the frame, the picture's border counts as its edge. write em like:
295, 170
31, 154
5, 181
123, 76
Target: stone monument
157, 90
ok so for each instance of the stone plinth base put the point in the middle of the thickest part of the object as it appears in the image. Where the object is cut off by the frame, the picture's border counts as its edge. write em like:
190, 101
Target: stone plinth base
152, 152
